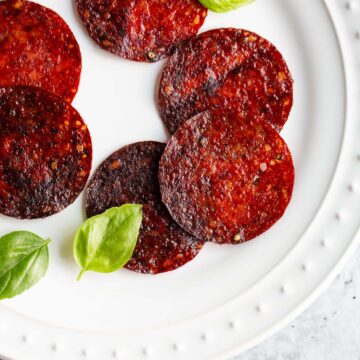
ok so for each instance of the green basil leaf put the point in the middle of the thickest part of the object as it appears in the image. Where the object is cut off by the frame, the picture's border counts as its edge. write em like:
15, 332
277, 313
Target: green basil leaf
224, 5
4, 280
105, 243
24, 260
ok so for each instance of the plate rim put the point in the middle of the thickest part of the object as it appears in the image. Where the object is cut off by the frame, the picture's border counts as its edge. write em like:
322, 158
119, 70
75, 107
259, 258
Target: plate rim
346, 44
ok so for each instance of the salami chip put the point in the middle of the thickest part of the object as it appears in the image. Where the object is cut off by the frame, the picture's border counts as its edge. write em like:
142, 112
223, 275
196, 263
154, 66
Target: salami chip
225, 178
45, 153
130, 175
226, 68
141, 30
37, 48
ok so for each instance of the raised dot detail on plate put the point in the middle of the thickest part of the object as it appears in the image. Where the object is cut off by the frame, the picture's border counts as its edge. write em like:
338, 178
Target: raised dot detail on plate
145, 352
283, 289
351, 5
176, 347
204, 337
84, 353
323, 243
25, 338
354, 188
305, 267
259, 309
338, 216
357, 35
234, 324
115, 354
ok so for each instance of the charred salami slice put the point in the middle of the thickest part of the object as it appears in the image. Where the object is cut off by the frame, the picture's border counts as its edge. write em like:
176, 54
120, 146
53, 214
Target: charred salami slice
37, 48
45, 153
130, 175
141, 30
225, 178
226, 68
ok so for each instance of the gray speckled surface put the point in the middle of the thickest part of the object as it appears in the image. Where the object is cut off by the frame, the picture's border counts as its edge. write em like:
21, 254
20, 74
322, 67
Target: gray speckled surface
328, 330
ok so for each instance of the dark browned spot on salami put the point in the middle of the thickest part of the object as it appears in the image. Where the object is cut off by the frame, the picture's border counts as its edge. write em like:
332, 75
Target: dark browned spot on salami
37, 48
225, 178
141, 30
130, 175
230, 69
45, 153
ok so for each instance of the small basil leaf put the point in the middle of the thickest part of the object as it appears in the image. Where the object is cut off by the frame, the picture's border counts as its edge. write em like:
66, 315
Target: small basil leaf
105, 243
16, 246
224, 5
24, 259
27, 273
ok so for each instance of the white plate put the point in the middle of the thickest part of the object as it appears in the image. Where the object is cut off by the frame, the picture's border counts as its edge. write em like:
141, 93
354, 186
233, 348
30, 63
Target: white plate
230, 297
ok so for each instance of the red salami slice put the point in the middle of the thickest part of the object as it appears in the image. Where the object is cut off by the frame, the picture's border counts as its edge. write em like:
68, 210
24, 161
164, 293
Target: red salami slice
130, 175
141, 30
225, 178
45, 153
226, 68
37, 48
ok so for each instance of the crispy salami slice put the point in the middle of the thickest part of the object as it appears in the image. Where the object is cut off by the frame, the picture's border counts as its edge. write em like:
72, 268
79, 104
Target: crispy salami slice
130, 175
226, 68
37, 48
141, 30
225, 178
45, 153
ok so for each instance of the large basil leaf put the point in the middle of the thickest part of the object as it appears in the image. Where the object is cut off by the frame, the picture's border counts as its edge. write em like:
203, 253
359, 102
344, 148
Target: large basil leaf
224, 5
24, 260
105, 243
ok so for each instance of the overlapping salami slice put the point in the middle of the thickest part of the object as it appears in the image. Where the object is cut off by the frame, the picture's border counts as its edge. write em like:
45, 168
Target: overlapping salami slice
225, 178
37, 48
141, 30
45, 153
130, 175
226, 68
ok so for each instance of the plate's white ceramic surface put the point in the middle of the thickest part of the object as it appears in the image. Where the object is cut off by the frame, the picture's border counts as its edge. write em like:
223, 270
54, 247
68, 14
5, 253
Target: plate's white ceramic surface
228, 298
